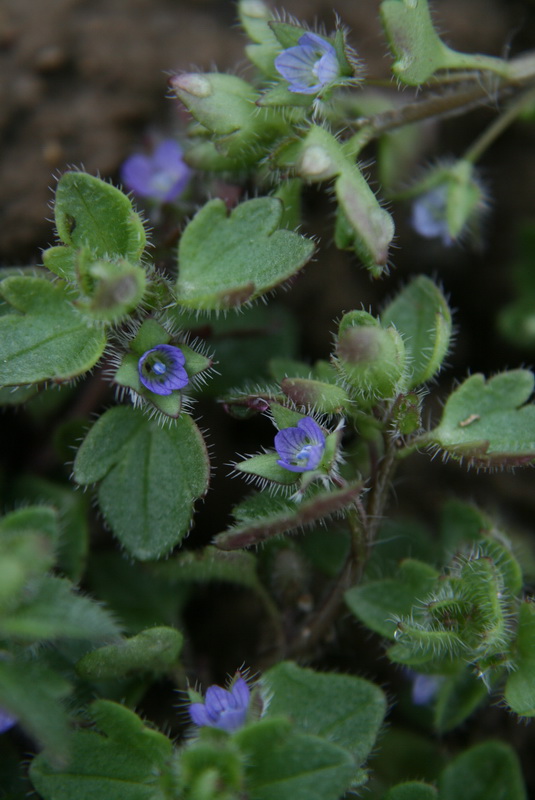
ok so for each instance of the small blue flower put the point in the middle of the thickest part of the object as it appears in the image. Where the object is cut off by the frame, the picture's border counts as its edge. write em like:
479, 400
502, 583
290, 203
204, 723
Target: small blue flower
225, 709
7, 720
301, 448
162, 176
161, 369
309, 66
424, 687
429, 215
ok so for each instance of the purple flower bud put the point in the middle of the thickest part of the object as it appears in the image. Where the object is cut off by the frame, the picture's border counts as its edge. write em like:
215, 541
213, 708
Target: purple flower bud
429, 215
301, 448
162, 176
309, 66
7, 720
161, 369
225, 709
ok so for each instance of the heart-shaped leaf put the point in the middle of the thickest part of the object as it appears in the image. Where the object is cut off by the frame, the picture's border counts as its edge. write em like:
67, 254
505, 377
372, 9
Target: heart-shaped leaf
485, 422
228, 260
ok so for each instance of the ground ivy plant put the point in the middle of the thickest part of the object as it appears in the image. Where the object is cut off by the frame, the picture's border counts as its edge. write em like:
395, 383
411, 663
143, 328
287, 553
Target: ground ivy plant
97, 586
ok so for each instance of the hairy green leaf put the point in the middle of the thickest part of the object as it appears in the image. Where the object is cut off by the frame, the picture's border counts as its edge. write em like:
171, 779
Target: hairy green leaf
153, 650
489, 770
421, 314
45, 337
121, 760
150, 477
228, 260
486, 423
343, 709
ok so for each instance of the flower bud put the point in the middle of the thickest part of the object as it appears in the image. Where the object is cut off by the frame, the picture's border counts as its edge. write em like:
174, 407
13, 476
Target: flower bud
225, 106
370, 357
113, 288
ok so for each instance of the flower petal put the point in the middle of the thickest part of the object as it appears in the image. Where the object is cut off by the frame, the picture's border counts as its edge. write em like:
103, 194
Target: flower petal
289, 442
199, 715
136, 175
312, 430
240, 694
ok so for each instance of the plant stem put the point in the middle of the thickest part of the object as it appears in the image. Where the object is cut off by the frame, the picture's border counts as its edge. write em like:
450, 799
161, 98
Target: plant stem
476, 150
363, 524
482, 89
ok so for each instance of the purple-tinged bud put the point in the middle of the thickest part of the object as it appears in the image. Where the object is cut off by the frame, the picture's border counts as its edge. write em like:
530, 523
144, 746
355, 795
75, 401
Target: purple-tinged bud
371, 358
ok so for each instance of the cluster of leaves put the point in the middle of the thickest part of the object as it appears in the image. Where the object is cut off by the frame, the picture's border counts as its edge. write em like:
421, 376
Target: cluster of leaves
455, 611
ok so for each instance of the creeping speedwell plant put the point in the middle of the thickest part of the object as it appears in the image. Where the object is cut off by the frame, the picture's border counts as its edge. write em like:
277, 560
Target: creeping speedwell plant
375, 621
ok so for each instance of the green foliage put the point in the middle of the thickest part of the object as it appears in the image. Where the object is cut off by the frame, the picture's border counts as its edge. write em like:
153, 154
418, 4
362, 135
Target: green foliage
229, 260
34, 694
489, 770
347, 711
517, 319
152, 650
44, 337
133, 458
379, 603
421, 315
520, 685
486, 423
418, 49
412, 790
91, 213
292, 766
261, 517
120, 760
449, 597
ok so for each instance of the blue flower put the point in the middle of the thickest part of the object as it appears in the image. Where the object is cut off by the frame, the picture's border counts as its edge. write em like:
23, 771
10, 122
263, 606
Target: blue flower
162, 176
301, 448
7, 720
429, 215
309, 66
161, 369
225, 709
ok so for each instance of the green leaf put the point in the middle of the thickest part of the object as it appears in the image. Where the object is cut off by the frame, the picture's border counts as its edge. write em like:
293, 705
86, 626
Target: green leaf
73, 539
412, 790
418, 49
378, 604
52, 609
261, 517
226, 261
91, 213
150, 477
126, 761
421, 314
342, 709
291, 766
153, 650
485, 422
49, 339
28, 538
265, 467
33, 694
458, 697
488, 771
325, 397
520, 685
